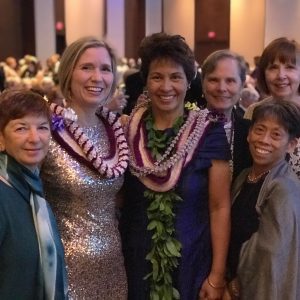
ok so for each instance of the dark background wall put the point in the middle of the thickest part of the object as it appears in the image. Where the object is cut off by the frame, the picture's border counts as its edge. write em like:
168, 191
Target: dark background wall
134, 26
60, 34
211, 16
17, 36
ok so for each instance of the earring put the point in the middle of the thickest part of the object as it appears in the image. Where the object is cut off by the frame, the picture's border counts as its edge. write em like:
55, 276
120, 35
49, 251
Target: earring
1, 148
145, 93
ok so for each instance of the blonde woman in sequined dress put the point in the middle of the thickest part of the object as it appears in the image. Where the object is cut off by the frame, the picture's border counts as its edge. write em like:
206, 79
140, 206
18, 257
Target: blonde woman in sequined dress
83, 172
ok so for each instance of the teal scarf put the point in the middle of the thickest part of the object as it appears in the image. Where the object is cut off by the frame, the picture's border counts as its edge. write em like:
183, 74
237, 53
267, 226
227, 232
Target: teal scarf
29, 185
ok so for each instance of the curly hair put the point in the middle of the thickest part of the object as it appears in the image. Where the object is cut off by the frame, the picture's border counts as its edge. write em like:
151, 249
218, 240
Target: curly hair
159, 46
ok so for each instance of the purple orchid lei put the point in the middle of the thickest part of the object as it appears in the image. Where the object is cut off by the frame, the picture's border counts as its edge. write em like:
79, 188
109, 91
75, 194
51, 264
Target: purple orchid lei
57, 122
216, 116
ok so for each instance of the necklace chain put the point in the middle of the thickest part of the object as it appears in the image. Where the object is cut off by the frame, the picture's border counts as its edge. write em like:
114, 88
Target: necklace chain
253, 179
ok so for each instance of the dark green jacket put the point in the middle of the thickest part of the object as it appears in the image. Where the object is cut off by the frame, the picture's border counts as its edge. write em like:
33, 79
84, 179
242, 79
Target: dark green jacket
20, 273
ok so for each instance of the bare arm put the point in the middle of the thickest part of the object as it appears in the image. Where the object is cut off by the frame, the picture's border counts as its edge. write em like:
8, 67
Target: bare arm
219, 206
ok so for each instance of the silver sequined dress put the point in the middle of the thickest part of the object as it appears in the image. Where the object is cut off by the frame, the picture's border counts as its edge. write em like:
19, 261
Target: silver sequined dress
84, 205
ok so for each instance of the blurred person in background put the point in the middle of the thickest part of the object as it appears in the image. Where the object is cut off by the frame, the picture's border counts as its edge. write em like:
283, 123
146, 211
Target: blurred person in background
249, 95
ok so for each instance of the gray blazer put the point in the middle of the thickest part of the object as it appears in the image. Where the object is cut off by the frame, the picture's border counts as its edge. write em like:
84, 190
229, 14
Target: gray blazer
269, 263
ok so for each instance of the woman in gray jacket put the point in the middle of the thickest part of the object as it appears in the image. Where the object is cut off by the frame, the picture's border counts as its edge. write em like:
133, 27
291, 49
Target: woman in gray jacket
264, 256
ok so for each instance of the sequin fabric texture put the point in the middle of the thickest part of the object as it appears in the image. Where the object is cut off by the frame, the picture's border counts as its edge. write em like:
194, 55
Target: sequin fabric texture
84, 205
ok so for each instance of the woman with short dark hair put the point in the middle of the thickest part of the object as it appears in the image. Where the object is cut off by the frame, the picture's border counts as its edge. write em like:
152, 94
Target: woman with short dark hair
264, 250
31, 253
279, 78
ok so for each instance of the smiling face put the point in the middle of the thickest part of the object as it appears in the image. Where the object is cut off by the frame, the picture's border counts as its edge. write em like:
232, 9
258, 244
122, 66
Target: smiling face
223, 85
269, 142
283, 79
27, 139
92, 78
167, 85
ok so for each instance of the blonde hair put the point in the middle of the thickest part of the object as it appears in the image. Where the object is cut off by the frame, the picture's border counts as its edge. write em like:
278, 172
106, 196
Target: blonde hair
71, 56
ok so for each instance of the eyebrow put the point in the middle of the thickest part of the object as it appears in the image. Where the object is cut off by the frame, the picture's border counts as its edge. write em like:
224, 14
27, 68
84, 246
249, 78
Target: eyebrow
217, 77
85, 63
25, 123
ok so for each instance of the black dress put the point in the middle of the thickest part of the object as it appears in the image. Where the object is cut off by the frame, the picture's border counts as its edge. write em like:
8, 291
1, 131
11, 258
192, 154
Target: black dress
244, 222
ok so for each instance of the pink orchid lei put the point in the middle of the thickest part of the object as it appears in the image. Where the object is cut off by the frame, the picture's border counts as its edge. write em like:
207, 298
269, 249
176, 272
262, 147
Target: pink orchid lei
109, 167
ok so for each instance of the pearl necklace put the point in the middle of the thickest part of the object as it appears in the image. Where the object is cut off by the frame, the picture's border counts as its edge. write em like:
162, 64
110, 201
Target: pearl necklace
110, 167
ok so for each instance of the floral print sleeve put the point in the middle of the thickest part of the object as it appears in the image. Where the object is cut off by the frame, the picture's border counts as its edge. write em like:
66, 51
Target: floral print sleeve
294, 160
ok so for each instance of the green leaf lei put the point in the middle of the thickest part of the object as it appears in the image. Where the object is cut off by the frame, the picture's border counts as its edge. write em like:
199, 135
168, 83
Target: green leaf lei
165, 248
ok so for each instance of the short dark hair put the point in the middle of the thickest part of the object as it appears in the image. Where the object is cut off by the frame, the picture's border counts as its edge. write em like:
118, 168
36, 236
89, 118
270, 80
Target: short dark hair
15, 104
164, 46
287, 113
285, 51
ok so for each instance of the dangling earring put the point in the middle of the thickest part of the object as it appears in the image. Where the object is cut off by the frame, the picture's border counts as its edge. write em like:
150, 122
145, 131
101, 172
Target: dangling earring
143, 98
2, 148
145, 93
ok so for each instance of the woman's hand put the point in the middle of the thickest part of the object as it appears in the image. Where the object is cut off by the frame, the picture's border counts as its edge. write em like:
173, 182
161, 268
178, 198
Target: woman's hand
233, 290
226, 295
208, 292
